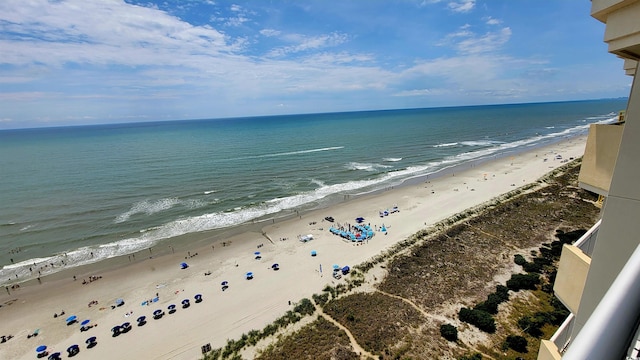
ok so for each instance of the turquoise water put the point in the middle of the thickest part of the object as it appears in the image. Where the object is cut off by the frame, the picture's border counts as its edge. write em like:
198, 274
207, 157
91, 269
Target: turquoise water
110, 190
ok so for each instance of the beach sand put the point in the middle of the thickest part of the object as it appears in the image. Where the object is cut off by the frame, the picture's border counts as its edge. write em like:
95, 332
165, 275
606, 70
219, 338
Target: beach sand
246, 304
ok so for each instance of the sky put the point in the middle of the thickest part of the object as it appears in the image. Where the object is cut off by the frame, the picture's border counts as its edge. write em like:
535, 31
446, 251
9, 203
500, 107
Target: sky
75, 62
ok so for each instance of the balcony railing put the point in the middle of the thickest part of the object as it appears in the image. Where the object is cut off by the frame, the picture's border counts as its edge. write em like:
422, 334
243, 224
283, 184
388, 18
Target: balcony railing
562, 337
587, 242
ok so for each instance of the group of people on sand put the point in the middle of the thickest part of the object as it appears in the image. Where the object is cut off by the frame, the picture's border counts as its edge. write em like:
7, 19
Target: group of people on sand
56, 314
5, 338
92, 278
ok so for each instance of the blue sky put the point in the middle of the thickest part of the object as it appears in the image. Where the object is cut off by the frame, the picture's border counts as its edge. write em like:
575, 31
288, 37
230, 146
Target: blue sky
72, 62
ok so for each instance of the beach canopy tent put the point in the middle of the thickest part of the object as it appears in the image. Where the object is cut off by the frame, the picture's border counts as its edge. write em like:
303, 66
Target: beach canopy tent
125, 327
313, 253
275, 267
198, 298
73, 350
249, 275
116, 330
91, 342
305, 238
141, 320
345, 270
158, 314
184, 265
54, 356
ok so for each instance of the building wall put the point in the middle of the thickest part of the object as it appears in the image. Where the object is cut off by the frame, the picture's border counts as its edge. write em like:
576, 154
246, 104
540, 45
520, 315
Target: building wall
619, 232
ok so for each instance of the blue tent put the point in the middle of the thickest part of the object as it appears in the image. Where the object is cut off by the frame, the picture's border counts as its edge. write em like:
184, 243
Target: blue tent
345, 270
313, 253
184, 265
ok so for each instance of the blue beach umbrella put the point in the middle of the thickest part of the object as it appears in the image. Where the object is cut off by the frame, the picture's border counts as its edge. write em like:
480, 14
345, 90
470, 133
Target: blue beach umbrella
71, 319
313, 253
275, 266
184, 265
249, 275
41, 348
256, 253
198, 298
54, 356
85, 322
224, 283
336, 267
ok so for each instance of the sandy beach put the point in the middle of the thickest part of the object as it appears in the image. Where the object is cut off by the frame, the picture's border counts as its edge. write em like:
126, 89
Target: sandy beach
245, 304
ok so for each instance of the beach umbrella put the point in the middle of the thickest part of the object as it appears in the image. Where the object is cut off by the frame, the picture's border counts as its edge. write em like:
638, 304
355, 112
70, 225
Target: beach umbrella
359, 219
249, 275
71, 318
54, 356
336, 267
41, 348
313, 253
185, 303
172, 308
256, 253
141, 320
275, 266
85, 322
198, 298
119, 302
73, 350
224, 283
184, 265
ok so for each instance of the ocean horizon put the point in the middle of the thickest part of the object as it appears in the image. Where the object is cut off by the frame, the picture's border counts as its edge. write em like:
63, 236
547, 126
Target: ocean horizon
80, 194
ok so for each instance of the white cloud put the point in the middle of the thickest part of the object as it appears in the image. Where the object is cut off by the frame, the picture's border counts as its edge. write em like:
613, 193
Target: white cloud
466, 41
270, 32
309, 43
491, 21
462, 6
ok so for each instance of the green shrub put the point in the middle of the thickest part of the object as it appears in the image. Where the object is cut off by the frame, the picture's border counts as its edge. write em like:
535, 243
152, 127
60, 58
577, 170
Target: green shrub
523, 281
517, 343
519, 259
449, 332
480, 319
476, 356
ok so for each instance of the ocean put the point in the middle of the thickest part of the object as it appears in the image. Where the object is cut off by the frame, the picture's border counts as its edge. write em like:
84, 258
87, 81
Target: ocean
76, 195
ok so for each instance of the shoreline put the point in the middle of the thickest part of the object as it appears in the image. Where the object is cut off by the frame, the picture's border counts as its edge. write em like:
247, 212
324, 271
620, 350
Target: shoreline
202, 239
230, 313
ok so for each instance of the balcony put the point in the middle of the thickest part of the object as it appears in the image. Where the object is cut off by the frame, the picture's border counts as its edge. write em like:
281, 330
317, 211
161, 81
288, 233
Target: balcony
622, 33
599, 160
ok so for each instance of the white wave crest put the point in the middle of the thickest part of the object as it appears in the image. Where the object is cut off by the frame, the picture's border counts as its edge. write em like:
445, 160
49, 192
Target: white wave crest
148, 208
480, 143
392, 159
445, 145
365, 167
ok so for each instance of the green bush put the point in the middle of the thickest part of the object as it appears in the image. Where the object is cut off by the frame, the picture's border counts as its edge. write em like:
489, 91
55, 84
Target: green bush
449, 332
480, 319
519, 259
523, 281
517, 343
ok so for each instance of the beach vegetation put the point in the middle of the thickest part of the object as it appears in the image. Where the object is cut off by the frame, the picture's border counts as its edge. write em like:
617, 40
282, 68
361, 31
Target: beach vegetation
449, 332
475, 356
320, 299
517, 343
478, 318
523, 281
